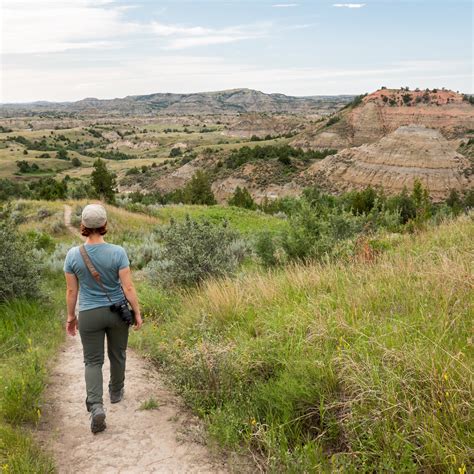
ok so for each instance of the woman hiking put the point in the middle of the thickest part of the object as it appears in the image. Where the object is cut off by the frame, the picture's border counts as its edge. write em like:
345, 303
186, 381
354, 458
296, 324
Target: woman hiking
101, 273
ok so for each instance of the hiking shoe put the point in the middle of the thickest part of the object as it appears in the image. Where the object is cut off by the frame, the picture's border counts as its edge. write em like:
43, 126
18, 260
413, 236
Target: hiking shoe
97, 418
116, 397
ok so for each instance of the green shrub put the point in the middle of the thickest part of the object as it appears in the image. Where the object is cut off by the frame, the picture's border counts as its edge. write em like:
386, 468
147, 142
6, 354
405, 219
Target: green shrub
62, 155
19, 275
282, 153
313, 233
265, 249
143, 252
175, 152
194, 251
242, 198
334, 119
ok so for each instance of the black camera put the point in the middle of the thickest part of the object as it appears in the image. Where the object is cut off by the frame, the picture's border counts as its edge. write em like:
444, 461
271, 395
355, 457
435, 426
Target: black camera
124, 311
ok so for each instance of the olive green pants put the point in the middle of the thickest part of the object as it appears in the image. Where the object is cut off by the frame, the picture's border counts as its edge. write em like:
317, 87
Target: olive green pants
94, 325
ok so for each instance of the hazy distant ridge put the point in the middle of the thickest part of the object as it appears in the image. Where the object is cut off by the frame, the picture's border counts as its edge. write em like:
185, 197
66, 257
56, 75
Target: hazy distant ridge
220, 102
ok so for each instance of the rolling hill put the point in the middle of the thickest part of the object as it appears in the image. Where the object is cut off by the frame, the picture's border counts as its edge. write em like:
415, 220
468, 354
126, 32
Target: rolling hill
231, 101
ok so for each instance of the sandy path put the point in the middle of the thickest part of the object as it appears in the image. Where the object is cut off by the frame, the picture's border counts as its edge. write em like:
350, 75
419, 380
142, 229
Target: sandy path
67, 222
166, 440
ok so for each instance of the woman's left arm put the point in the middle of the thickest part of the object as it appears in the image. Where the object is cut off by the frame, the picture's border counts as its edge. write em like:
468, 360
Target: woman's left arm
72, 288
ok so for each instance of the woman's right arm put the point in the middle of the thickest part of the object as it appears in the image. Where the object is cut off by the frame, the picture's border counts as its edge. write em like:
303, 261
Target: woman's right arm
125, 276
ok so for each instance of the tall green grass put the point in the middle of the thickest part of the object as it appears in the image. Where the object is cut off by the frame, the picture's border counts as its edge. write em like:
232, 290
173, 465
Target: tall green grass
359, 367
30, 333
246, 221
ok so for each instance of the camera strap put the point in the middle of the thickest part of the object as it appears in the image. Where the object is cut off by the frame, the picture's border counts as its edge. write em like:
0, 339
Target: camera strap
90, 266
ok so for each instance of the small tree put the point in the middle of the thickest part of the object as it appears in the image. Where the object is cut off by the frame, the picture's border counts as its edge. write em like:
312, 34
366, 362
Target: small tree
62, 155
198, 190
265, 249
76, 162
242, 198
422, 201
103, 181
454, 201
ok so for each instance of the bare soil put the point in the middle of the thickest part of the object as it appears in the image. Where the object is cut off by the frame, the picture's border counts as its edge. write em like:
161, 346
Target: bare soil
166, 439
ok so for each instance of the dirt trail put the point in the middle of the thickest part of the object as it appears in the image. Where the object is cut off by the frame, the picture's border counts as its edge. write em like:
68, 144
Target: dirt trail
165, 440
67, 221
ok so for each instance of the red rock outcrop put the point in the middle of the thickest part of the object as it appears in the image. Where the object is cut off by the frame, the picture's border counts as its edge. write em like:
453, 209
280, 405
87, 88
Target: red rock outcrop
384, 111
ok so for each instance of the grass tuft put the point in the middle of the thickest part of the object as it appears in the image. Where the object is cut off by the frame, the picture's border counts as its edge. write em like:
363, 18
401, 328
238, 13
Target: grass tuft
150, 404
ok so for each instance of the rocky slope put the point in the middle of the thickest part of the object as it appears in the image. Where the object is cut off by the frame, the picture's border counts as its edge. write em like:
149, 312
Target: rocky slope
232, 101
384, 111
395, 161
262, 125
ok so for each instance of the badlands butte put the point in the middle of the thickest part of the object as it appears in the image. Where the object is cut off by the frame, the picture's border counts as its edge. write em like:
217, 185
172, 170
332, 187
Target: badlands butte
273, 145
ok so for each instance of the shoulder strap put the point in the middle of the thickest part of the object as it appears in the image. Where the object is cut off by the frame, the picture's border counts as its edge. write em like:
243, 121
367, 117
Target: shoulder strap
90, 266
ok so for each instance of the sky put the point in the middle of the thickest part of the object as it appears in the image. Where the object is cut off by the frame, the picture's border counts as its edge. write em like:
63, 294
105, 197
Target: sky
65, 50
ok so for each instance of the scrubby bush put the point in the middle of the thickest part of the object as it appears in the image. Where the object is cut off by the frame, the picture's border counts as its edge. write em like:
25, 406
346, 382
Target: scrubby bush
314, 232
282, 153
175, 152
54, 262
25, 167
196, 250
40, 240
62, 155
49, 189
242, 198
11, 189
143, 252
56, 226
76, 216
265, 249
334, 119
19, 276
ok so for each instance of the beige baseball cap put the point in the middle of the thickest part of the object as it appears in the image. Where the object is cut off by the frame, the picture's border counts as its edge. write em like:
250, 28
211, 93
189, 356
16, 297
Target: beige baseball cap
94, 216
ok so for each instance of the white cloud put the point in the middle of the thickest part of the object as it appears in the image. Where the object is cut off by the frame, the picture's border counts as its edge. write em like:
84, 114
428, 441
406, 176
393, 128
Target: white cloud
53, 26
285, 5
45, 26
349, 5
181, 37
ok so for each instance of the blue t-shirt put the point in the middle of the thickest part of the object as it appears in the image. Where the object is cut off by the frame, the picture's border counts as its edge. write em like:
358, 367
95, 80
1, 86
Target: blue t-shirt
107, 259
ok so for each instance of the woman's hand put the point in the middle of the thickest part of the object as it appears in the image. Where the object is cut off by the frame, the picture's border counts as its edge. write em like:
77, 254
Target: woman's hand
138, 322
71, 326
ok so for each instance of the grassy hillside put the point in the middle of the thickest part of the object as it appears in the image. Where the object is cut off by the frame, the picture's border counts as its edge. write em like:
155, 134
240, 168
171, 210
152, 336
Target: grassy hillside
356, 367
244, 220
30, 334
